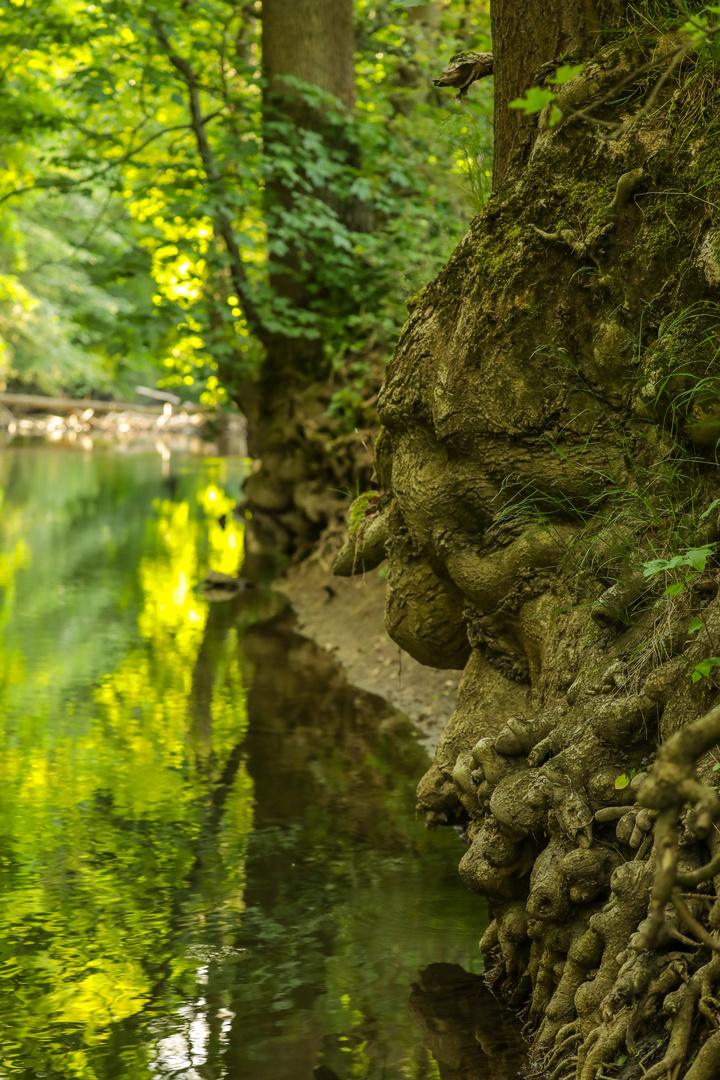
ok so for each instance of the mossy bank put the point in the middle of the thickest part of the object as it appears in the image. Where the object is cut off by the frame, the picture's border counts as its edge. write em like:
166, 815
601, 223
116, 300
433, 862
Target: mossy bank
550, 425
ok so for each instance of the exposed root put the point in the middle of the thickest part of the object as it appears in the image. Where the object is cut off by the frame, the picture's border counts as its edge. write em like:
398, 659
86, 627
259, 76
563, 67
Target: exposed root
673, 783
669, 1067
604, 1047
692, 924
707, 1064
560, 1048
563, 1068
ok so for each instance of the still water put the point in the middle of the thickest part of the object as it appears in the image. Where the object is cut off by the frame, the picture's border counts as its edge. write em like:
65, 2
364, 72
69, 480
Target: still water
209, 862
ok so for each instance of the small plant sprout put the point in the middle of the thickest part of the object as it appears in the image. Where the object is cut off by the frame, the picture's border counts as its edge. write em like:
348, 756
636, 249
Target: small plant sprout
703, 669
537, 97
713, 506
694, 559
623, 780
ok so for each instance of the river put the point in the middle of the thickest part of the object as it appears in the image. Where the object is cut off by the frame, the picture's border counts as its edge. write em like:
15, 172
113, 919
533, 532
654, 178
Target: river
210, 865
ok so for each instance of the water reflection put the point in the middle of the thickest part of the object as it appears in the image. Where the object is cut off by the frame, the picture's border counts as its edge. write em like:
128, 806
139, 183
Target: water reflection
468, 1032
209, 863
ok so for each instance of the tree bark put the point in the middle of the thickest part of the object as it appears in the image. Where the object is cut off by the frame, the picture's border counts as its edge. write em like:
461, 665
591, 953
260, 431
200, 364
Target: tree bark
312, 40
526, 38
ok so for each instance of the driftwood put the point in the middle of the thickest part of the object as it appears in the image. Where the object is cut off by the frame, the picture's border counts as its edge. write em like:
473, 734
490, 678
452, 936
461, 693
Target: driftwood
36, 403
78, 421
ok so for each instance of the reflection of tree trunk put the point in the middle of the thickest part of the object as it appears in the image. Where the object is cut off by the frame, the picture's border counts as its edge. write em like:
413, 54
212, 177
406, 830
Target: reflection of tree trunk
221, 618
310, 737
203, 680
465, 1028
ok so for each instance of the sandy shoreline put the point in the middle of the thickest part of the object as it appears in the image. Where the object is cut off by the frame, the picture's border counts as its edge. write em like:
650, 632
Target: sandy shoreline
345, 616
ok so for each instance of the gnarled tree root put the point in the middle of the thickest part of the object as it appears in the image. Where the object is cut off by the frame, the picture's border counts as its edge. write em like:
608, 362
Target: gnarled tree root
669, 787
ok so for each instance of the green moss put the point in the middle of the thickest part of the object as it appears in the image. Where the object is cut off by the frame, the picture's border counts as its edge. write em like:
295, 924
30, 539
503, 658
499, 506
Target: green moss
359, 510
498, 254
414, 302
705, 169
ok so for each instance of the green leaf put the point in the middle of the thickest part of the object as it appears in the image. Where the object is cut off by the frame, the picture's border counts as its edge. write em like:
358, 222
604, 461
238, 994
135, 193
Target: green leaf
698, 557
565, 73
536, 98
703, 669
673, 590
713, 506
695, 625
696, 29
694, 558
556, 114
655, 566
621, 782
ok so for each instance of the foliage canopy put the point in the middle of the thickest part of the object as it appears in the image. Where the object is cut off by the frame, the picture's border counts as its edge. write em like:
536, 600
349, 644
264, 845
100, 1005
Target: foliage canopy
133, 136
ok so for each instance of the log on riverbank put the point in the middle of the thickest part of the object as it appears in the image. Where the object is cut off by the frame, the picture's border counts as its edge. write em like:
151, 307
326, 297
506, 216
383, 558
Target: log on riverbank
80, 420
31, 403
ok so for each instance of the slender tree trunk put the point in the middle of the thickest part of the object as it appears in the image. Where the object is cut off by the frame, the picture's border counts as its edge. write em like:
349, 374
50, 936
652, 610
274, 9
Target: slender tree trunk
311, 41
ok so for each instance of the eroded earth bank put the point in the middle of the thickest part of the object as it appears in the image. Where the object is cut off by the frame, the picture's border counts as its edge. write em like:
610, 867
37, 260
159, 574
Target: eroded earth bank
550, 423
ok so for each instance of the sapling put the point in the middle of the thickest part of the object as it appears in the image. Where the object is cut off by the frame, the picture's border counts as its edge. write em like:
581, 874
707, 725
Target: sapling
695, 560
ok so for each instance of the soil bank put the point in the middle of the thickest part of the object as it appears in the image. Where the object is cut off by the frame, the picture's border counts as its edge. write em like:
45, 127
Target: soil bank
346, 617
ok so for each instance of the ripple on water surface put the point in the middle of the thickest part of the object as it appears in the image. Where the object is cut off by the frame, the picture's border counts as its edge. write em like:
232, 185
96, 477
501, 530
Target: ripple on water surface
209, 860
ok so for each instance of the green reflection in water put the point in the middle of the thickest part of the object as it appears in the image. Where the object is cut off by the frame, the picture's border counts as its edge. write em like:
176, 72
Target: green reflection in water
109, 784
209, 861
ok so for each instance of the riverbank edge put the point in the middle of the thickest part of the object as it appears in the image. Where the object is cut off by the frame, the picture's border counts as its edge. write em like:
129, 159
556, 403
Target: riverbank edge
345, 616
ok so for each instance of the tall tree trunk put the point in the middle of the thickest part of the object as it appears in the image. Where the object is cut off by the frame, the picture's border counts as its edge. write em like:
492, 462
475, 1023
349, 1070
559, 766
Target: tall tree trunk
308, 45
311, 41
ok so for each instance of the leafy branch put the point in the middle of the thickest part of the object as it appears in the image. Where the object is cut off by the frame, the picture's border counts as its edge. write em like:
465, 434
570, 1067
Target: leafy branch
222, 218
66, 183
695, 560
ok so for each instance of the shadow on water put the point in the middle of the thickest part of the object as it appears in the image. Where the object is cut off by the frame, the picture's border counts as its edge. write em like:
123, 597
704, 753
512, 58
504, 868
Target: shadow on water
209, 859
468, 1032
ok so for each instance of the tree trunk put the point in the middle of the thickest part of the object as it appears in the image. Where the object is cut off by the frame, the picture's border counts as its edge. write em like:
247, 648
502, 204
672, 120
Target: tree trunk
551, 425
526, 38
293, 496
312, 40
